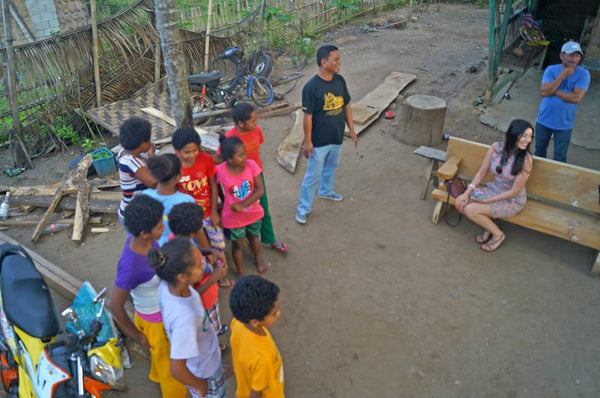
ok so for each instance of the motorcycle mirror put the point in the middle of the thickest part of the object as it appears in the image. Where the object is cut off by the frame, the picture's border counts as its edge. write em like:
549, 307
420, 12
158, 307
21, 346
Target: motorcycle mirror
101, 294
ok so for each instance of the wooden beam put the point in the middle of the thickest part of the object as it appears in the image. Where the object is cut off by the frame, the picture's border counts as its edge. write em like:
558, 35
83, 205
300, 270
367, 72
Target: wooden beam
74, 182
289, 149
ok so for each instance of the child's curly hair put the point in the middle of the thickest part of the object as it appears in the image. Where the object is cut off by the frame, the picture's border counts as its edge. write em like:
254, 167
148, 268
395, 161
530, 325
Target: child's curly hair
142, 214
252, 297
242, 112
186, 219
229, 146
134, 132
183, 136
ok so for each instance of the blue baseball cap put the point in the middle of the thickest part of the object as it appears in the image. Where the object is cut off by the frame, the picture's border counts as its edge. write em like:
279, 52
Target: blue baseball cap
570, 47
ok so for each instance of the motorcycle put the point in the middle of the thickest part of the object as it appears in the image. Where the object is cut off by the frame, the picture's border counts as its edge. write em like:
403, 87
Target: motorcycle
36, 358
210, 98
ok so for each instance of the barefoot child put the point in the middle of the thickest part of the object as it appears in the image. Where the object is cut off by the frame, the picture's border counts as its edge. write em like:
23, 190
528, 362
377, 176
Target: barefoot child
166, 169
143, 219
241, 186
246, 129
198, 180
257, 363
134, 176
195, 354
185, 219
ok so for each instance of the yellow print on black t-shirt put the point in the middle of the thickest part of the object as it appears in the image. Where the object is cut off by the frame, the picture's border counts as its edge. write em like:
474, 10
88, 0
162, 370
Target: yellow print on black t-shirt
333, 105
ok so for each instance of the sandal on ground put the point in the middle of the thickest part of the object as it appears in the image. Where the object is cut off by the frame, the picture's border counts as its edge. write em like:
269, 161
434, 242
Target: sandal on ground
225, 283
281, 247
493, 245
483, 237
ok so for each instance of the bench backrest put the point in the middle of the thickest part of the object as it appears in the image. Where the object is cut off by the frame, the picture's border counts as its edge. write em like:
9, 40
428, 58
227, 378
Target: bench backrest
555, 181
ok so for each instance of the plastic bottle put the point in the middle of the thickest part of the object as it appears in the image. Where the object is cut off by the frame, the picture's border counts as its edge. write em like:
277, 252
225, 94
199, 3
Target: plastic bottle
54, 228
4, 207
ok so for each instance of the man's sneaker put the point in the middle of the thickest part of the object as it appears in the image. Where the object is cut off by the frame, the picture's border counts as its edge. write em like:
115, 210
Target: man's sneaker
301, 217
332, 196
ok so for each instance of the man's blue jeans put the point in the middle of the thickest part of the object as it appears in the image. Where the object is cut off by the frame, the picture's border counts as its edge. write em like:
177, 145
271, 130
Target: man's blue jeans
321, 167
562, 138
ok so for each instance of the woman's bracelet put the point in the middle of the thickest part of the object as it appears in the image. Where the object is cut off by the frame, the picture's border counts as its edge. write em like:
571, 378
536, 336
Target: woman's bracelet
471, 186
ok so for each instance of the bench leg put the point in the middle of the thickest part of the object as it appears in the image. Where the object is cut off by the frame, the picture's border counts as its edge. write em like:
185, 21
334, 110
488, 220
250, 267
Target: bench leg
428, 172
596, 265
437, 211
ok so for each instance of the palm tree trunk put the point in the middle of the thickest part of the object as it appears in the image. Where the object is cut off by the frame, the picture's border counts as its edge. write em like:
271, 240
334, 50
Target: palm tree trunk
167, 23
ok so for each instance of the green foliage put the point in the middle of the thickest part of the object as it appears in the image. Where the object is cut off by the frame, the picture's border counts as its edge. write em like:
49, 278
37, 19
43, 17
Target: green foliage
63, 130
107, 8
350, 6
88, 144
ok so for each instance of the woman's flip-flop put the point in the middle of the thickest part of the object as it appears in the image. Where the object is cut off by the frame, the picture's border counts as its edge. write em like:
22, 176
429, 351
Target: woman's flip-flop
483, 237
280, 247
493, 245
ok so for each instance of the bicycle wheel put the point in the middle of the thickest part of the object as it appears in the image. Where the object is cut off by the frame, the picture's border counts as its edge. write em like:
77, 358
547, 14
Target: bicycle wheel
201, 106
261, 91
285, 72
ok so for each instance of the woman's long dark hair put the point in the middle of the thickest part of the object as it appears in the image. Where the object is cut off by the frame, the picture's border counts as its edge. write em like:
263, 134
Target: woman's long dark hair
515, 131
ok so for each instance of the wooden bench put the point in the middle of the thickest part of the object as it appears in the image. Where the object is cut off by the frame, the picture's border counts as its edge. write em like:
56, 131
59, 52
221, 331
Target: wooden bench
435, 156
563, 200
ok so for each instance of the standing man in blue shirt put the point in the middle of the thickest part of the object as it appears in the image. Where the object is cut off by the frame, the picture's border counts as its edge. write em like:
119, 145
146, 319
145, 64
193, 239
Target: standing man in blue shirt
563, 86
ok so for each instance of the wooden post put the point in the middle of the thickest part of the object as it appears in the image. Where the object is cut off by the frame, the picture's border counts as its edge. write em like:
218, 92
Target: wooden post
18, 151
207, 42
157, 61
410, 9
94, 16
263, 6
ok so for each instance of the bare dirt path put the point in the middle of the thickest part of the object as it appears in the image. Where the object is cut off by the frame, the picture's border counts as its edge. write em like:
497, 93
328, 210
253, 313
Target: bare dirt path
376, 300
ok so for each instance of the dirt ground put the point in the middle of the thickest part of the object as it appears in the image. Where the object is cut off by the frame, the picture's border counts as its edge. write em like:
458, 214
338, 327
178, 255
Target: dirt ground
376, 300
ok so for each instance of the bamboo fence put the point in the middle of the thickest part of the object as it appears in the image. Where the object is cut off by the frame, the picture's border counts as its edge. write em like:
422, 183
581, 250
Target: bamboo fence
56, 75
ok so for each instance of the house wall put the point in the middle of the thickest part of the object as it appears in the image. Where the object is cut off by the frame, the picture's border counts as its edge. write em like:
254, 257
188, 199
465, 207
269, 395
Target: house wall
38, 19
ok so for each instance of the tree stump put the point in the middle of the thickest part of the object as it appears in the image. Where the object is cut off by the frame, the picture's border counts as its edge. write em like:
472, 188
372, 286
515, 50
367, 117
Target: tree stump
422, 121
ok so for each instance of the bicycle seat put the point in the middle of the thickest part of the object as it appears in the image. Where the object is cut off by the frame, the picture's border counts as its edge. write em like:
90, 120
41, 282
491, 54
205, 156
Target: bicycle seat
205, 78
26, 299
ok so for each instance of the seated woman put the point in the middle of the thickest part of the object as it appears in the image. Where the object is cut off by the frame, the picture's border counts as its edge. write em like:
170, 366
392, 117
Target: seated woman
510, 163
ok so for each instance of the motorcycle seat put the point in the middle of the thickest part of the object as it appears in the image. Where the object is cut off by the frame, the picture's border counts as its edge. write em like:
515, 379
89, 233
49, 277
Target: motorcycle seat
26, 299
204, 78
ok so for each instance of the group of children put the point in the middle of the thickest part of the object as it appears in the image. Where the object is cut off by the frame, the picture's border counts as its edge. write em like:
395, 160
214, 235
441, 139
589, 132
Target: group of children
173, 260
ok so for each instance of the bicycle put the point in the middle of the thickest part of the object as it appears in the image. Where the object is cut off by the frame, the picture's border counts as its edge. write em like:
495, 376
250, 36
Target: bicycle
208, 95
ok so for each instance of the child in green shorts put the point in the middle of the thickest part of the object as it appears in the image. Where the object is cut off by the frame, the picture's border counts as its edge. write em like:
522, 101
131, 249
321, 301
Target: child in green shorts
241, 187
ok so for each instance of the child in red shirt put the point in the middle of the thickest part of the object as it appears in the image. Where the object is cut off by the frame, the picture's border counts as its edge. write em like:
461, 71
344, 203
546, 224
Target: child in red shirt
246, 129
198, 180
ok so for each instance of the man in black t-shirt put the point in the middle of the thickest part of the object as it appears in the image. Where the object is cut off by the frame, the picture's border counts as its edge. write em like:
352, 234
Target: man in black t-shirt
326, 106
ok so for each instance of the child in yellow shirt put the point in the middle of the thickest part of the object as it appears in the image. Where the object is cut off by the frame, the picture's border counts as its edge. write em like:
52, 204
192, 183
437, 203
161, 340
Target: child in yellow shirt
257, 364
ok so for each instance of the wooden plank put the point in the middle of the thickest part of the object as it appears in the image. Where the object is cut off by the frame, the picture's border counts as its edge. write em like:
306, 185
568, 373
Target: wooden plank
289, 149
362, 113
29, 223
74, 182
68, 203
556, 181
381, 97
56, 278
160, 115
46, 217
449, 169
431, 153
279, 112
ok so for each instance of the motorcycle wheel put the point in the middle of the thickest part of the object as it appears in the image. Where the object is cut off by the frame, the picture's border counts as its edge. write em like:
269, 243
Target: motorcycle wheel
261, 91
262, 64
199, 107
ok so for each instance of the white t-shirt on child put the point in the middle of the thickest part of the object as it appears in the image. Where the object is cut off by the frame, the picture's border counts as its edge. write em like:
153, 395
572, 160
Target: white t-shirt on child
190, 332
